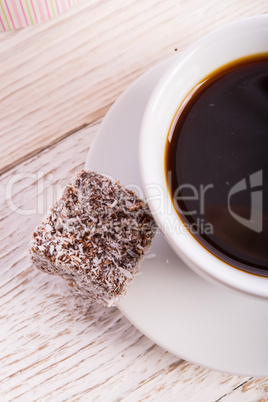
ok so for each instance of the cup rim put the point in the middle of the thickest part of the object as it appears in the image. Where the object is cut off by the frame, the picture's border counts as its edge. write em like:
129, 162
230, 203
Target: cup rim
184, 244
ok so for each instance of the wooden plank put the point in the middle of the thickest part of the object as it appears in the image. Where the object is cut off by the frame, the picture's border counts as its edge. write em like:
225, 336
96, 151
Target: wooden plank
64, 74
54, 345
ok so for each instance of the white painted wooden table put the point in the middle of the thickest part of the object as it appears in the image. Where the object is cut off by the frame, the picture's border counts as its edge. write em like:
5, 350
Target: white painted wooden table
57, 81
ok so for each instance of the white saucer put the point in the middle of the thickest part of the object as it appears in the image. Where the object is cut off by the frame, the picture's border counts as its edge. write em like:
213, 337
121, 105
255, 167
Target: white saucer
169, 303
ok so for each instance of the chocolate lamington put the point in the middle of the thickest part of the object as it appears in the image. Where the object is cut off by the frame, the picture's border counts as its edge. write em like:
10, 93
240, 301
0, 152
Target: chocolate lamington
95, 236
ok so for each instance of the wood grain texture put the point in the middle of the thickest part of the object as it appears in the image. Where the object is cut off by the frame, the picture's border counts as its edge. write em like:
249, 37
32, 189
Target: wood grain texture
64, 74
57, 80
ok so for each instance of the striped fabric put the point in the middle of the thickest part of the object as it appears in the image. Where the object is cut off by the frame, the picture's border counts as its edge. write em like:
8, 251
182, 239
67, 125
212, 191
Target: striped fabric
22, 13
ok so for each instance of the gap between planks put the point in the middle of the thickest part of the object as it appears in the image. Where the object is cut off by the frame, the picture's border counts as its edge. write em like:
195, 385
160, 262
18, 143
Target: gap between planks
101, 113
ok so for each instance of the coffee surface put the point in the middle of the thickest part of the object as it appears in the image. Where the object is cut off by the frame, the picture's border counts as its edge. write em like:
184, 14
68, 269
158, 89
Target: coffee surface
216, 164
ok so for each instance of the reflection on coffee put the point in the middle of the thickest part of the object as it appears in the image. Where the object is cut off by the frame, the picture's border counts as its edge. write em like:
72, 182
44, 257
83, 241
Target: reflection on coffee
216, 163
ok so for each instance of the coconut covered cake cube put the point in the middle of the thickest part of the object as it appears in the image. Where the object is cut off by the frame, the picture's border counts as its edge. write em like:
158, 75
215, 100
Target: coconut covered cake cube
95, 236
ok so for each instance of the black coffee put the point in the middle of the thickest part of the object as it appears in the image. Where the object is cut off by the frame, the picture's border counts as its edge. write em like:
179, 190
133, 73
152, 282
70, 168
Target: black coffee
216, 164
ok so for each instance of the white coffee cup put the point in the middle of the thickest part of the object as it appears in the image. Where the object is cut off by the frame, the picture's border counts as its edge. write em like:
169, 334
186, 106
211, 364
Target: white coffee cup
231, 42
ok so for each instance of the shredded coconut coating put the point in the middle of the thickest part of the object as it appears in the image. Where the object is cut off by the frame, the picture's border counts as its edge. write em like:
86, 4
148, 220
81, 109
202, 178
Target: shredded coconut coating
95, 236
